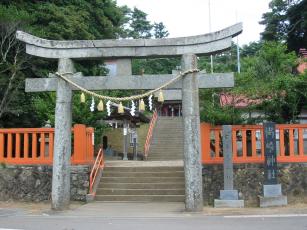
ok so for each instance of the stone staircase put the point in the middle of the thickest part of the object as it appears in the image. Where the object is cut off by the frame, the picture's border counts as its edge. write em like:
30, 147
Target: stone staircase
138, 181
167, 140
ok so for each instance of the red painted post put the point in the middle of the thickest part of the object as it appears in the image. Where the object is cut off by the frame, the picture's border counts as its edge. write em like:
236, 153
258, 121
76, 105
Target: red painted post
1, 147
79, 144
205, 142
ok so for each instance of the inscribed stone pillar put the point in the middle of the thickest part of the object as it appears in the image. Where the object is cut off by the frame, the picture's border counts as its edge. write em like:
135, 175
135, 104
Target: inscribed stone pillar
272, 192
62, 139
227, 153
191, 124
229, 197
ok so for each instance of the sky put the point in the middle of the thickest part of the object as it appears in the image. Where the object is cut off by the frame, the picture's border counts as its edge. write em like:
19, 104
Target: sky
191, 17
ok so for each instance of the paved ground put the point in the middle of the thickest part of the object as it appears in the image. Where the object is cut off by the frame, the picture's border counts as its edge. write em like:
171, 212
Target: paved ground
147, 216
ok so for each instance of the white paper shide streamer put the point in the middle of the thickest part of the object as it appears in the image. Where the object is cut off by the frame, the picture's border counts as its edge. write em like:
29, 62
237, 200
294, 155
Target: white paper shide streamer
109, 107
92, 108
150, 102
132, 111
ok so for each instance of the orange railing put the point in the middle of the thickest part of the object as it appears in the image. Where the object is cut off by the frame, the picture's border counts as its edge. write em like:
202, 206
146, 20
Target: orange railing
248, 146
149, 134
30, 146
98, 165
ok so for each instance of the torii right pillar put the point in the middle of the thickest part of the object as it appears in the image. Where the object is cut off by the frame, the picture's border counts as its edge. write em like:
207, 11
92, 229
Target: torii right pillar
191, 124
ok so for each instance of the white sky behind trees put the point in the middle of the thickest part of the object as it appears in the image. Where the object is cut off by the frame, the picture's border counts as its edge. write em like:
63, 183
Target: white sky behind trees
191, 17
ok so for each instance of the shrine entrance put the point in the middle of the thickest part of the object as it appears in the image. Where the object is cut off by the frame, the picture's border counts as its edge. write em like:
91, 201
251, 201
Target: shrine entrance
188, 81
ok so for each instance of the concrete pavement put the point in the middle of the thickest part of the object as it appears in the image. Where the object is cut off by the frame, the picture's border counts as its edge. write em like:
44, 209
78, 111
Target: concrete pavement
106, 215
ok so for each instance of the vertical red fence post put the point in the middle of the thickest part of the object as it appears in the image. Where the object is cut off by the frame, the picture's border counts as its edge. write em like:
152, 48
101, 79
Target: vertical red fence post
51, 143
90, 143
1, 147
9, 146
205, 142
79, 150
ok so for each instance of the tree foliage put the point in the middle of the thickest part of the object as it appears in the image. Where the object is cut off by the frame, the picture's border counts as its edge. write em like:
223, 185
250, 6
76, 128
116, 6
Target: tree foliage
68, 20
286, 22
267, 77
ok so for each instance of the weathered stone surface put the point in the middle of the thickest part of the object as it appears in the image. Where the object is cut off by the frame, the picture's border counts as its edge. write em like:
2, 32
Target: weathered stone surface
227, 153
33, 183
273, 201
229, 195
124, 67
75, 44
171, 95
191, 124
216, 80
272, 190
201, 44
249, 179
229, 198
62, 138
228, 203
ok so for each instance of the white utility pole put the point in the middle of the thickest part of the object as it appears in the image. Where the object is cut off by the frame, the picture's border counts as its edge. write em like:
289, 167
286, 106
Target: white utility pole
211, 57
238, 49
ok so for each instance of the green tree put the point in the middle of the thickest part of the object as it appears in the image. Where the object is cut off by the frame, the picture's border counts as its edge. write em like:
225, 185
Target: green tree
82, 19
266, 77
286, 22
159, 30
140, 27
15, 106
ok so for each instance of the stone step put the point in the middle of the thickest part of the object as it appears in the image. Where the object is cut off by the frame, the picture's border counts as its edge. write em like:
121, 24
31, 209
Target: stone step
154, 156
141, 198
168, 141
113, 191
166, 151
174, 126
161, 147
165, 154
165, 159
170, 124
144, 169
172, 119
168, 185
143, 174
169, 129
166, 148
168, 133
159, 154
161, 118
141, 179
162, 136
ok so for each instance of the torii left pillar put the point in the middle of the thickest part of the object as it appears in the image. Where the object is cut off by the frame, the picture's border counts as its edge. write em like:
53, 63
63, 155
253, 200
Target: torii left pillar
62, 139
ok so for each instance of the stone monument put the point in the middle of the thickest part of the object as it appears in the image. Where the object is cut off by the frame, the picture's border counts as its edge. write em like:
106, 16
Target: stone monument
272, 195
123, 51
229, 197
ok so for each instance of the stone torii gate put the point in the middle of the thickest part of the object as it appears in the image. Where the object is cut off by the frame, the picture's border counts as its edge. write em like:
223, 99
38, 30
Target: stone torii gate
123, 51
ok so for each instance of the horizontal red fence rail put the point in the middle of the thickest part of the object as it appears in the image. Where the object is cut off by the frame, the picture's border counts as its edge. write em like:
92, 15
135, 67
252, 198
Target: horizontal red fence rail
248, 146
28, 146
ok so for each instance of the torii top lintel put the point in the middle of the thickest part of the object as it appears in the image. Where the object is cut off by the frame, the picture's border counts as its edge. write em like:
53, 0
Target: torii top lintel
127, 48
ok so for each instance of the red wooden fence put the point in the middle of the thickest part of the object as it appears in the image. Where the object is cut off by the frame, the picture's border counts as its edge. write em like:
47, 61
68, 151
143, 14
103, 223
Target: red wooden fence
30, 146
248, 146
